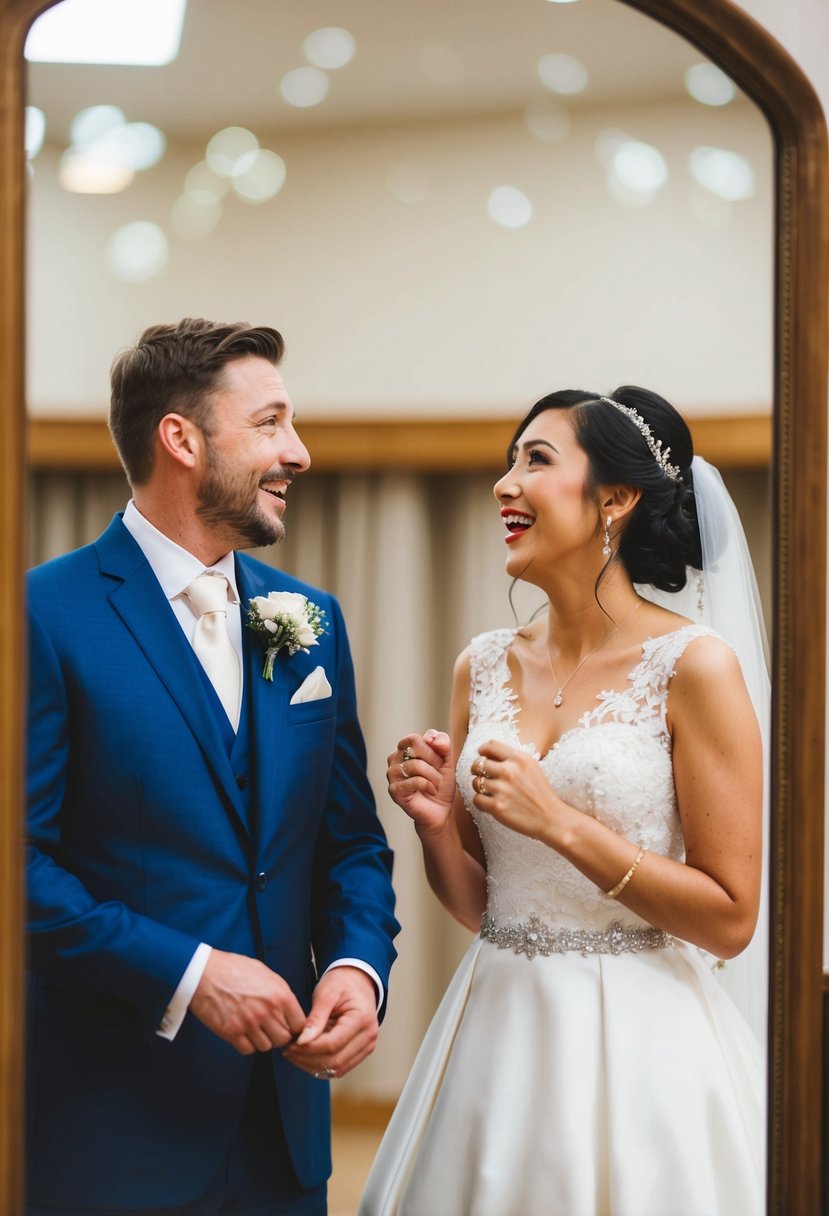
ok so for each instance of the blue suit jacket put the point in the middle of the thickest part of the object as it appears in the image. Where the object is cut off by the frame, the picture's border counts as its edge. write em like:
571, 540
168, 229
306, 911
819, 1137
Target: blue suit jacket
138, 850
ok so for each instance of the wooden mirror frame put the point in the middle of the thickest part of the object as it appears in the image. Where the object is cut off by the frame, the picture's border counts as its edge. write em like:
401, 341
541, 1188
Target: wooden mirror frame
764, 71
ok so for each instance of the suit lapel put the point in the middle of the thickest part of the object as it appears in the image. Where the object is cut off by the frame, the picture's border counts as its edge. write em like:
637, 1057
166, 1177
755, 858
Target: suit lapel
269, 698
142, 606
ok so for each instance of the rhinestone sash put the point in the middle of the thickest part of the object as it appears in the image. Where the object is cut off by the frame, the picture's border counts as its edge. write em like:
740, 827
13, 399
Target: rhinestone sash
533, 937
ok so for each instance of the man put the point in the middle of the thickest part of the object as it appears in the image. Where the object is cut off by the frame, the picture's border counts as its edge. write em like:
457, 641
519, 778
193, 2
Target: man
211, 914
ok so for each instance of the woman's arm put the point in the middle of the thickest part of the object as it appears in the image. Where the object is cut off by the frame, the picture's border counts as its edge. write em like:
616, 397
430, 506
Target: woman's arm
424, 787
712, 900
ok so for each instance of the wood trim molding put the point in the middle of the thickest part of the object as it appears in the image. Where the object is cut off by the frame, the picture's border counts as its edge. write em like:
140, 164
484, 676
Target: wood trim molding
767, 74
349, 1111
740, 441
15, 18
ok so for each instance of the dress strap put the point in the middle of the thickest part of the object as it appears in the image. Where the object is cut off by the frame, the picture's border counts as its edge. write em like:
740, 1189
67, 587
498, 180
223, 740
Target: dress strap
645, 700
489, 695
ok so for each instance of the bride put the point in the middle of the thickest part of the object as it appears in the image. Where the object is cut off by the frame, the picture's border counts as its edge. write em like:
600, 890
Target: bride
596, 815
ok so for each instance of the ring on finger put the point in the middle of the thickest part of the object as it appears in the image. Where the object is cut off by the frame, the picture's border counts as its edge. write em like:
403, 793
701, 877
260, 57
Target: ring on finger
482, 768
404, 772
408, 754
325, 1074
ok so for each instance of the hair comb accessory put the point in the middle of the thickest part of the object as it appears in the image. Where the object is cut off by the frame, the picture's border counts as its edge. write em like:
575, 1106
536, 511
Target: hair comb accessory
655, 445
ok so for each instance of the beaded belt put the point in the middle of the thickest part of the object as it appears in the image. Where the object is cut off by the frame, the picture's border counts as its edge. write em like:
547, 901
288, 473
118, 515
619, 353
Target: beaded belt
533, 937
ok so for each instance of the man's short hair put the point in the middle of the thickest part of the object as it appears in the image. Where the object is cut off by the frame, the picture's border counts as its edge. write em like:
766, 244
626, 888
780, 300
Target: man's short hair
176, 368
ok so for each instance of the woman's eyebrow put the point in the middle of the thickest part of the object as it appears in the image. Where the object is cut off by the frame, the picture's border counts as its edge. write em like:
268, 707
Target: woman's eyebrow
536, 443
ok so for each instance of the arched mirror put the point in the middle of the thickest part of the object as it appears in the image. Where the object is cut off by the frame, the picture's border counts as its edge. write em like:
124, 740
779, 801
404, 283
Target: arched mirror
477, 239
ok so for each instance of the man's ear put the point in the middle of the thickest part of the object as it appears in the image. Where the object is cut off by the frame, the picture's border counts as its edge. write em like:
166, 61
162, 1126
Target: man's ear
180, 439
620, 500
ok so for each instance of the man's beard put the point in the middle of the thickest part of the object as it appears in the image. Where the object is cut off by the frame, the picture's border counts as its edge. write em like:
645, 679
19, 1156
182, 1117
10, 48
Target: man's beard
231, 502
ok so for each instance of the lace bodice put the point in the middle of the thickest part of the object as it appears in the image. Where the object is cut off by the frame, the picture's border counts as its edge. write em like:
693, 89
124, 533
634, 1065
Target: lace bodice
615, 765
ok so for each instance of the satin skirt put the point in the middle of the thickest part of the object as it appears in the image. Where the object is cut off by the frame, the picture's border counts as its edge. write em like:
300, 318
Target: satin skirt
606, 1085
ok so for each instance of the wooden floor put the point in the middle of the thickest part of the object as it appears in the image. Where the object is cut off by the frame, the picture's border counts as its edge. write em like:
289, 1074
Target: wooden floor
353, 1151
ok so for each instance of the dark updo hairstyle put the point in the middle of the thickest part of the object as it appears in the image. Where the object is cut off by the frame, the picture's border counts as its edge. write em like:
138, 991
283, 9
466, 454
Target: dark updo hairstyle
661, 536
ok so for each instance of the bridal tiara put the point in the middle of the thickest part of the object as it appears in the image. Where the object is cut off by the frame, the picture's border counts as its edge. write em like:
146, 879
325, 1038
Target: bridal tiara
655, 445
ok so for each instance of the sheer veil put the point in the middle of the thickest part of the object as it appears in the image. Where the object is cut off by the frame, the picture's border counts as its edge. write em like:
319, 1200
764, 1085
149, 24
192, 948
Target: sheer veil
724, 596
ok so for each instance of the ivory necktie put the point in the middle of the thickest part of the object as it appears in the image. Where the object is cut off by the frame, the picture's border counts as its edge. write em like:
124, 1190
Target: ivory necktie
212, 644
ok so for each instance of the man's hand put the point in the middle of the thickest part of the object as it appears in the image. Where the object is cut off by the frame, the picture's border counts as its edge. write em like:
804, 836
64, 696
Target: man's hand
243, 1001
341, 1029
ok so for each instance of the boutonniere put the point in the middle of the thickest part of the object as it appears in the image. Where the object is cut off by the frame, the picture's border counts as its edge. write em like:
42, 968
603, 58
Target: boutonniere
285, 620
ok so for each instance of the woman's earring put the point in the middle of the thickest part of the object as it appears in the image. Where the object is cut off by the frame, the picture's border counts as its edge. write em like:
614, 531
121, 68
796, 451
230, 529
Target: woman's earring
606, 549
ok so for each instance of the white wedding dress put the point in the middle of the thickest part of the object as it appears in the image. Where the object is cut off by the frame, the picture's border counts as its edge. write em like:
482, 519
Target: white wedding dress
582, 1062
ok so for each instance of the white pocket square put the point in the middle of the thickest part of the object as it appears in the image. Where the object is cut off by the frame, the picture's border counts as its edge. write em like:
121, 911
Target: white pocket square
313, 688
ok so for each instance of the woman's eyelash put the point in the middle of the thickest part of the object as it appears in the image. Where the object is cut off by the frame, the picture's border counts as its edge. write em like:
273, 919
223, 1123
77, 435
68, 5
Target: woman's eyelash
536, 456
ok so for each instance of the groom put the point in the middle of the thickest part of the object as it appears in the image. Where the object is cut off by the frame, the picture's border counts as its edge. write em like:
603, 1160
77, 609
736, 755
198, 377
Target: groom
211, 915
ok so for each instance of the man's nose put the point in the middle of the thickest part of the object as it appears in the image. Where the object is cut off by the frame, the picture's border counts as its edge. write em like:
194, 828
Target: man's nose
294, 453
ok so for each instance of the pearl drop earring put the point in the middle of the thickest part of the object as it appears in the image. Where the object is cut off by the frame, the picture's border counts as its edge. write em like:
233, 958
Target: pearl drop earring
606, 549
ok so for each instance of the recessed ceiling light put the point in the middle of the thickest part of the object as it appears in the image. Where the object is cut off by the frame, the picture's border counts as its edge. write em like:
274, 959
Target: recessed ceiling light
137, 252
262, 180
81, 171
94, 123
329, 48
635, 171
726, 174
138, 32
562, 73
232, 151
707, 84
143, 144
304, 87
640, 167
35, 131
509, 207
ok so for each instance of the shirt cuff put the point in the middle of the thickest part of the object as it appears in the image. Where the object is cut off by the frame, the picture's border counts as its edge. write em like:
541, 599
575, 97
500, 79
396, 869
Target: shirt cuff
176, 1011
370, 972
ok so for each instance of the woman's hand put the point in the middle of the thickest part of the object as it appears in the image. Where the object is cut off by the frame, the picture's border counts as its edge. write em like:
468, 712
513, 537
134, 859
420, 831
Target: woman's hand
421, 777
511, 786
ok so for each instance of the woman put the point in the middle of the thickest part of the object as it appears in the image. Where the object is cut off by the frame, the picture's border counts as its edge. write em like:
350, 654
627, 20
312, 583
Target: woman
602, 827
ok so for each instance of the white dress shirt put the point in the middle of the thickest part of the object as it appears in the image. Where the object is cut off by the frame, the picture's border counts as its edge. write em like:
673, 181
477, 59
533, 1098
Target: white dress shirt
175, 568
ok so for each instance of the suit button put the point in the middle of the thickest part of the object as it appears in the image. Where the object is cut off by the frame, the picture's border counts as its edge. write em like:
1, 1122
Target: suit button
261, 881
242, 781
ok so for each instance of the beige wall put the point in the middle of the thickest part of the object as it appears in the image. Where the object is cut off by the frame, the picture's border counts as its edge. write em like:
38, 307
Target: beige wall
432, 306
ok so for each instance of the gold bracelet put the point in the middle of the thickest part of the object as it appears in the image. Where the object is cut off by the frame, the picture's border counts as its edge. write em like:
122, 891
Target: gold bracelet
620, 886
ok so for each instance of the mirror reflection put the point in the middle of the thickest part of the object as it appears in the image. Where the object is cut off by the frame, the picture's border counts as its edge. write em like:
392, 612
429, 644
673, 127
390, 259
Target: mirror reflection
447, 213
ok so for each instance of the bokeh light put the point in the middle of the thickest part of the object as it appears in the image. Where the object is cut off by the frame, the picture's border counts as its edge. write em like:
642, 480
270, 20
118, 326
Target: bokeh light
329, 48
726, 174
709, 85
231, 151
137, 252
509, 207
304, 87
262, 180
562, 73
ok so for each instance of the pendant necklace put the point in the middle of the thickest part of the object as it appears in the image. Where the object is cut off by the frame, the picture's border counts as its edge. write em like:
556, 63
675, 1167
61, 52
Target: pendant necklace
559, 697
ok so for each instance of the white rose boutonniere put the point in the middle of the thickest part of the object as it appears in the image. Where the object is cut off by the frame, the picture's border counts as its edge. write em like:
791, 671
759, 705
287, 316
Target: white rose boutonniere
285, 620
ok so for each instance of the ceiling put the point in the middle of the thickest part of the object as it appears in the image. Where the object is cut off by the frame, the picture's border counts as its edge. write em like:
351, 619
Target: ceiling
433, 59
